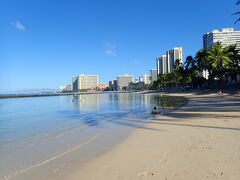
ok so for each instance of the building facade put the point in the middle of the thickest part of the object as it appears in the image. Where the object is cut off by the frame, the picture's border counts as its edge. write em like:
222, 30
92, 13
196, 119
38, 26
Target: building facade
113, 85
162, 65
145, 79
123, 80
226, 36
172, 56
159, 65
154, 75
84, 82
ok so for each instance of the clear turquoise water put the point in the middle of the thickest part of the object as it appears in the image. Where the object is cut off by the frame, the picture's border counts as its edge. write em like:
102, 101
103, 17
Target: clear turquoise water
34, 130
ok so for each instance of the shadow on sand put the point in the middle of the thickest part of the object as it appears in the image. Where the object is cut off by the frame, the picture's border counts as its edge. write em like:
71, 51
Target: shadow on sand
203, 107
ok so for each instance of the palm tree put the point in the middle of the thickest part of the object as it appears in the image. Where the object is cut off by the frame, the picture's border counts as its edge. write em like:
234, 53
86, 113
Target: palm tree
201, 60
177, 64
178, 69
190, 63
234, 67
191, 67
204, 65
237, 13
219, 59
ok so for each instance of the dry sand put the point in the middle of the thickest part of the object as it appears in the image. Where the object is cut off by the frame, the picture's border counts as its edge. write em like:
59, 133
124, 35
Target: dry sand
198, 141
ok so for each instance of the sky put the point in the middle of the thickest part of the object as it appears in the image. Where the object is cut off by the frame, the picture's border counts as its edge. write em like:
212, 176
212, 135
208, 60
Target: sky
44, 43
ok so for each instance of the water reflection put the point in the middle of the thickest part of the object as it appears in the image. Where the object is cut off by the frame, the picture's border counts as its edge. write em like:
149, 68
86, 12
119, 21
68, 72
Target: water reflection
91, 109
112, 102
146, 100
94, 108
86, 103
39, 128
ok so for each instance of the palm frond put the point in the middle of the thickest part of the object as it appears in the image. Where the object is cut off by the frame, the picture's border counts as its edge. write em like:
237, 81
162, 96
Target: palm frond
236, 13
237, 21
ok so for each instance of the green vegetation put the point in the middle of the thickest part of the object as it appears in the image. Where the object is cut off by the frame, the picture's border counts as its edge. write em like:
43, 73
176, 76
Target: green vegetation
221, 64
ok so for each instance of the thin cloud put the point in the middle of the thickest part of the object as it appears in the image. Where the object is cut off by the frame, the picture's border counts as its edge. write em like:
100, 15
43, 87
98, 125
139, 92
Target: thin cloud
19, 25
110, 49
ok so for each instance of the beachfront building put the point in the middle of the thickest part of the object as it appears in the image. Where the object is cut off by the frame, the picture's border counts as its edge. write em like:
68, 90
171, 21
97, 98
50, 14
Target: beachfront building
172, 56
159, 65
113, 85
153, 74
84, 82
162, 65
145, 79
226, 36
123, 80
238, 47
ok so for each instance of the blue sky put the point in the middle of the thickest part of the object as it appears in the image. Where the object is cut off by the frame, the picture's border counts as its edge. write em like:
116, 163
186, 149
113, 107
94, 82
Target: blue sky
44, 43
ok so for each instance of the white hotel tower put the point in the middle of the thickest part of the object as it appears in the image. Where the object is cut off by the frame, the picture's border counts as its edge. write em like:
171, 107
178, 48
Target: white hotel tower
173, 55
84, 82
162, 64
226, 36
165, 63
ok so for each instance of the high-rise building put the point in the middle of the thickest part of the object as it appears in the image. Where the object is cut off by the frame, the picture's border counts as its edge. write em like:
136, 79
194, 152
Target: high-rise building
123, 80
84, 82
226, 36
172, 56
238, 47
153, 74
162, 65
75, 84
145, 78
159, 65
113, 85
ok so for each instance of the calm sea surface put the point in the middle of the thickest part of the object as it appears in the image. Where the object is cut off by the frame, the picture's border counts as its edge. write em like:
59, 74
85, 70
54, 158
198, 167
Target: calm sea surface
44, 137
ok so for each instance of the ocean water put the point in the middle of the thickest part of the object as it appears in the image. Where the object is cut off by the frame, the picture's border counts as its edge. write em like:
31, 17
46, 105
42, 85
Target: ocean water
48, 137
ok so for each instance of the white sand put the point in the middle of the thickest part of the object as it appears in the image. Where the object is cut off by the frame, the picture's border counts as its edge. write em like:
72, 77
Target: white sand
198, 141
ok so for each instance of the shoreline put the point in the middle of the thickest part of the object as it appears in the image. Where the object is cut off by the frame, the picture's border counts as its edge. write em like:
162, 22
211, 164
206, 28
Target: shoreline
60, 150
8, 96
170, 92
197, 141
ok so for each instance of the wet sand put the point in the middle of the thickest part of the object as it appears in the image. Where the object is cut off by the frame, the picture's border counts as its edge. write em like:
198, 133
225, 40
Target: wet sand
198, 141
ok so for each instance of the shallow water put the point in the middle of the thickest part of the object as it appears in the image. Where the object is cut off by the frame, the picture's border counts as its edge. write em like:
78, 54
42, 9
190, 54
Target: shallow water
45, 137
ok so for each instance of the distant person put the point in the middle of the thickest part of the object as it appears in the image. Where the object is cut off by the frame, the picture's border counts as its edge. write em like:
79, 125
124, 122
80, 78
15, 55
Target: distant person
154, 110
219, 93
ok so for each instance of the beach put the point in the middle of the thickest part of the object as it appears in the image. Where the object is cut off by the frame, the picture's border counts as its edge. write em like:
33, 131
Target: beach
198, 141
